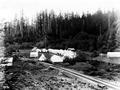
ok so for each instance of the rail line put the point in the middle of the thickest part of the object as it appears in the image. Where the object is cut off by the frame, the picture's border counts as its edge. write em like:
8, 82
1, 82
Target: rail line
85, 77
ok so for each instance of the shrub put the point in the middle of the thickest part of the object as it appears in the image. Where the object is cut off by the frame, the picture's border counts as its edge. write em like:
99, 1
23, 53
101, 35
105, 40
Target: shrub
82, 56
40, 44
59, 46
95, 54
95, 63
10, 49
15, 58
70, 61
26, 45
48, 61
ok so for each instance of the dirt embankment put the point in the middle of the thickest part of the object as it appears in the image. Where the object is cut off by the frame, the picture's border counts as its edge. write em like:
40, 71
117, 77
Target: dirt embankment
32, 75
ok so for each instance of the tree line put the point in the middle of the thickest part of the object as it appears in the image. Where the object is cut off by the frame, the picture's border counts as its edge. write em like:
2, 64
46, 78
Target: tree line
88, 32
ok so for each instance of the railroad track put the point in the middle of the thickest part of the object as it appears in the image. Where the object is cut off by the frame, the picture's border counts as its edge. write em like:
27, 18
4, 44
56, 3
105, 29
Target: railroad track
87, 78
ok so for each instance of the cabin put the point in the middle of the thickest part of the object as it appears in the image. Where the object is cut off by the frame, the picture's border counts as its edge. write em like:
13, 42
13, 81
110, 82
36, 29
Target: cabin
113, 54
114, 57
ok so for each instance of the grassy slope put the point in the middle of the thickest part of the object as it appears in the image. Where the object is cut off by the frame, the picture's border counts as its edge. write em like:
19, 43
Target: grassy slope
96, 68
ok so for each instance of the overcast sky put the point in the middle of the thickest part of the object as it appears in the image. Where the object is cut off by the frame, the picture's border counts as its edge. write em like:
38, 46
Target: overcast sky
11, 8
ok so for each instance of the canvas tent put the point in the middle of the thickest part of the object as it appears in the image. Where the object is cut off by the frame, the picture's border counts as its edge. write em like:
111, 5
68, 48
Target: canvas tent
42, 58
56, 58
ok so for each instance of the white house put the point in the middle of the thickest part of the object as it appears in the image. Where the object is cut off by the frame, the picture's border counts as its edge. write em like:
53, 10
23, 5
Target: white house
113, 54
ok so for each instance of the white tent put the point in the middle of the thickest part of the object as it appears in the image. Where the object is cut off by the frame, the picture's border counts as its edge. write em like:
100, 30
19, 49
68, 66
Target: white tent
34, 49
65, 53
42, 58
44, 50
56, 58
33, 54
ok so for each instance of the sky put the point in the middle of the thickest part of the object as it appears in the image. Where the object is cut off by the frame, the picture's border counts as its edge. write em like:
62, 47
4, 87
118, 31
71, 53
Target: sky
9, 9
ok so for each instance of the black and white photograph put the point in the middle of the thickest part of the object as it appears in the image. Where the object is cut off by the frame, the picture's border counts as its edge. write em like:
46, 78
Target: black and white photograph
59, 44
